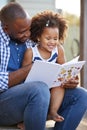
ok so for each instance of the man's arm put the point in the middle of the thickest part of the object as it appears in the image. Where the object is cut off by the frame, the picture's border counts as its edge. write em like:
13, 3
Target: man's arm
18, 76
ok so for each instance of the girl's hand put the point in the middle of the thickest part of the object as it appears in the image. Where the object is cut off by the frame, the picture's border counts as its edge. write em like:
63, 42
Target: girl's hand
72, 83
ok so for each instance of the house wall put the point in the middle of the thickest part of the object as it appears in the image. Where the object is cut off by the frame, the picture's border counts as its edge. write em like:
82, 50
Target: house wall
35, 6
3, 2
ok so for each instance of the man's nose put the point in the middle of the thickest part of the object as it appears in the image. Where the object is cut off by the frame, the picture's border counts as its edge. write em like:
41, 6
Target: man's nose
27, 34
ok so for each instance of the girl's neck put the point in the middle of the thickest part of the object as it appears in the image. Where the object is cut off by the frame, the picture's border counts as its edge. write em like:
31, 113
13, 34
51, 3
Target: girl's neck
45, 54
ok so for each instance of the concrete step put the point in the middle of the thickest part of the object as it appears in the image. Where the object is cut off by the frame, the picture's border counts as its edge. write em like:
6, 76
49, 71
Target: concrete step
8, 128
15, 128
49, 126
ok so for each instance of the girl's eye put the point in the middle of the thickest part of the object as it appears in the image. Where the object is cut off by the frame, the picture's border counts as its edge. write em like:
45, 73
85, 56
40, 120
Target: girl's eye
48, 38
55, 39
52, 39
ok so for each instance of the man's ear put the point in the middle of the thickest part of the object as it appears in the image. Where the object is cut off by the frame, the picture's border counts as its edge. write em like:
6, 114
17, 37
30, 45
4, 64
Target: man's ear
38, 39
5, 28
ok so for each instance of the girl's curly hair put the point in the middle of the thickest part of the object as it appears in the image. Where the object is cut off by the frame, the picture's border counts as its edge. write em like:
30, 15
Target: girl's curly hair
47, 19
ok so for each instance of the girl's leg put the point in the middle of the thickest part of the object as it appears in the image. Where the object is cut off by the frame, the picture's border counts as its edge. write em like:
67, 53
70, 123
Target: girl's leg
72, 109
57, 95
21, 126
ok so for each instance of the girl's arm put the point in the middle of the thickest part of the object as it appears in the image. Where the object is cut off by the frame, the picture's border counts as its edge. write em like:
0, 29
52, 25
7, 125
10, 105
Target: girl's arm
27, 57
61, 55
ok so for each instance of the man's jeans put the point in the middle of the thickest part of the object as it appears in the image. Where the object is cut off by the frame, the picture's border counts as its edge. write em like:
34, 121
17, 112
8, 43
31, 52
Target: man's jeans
72, 109
26, 102
29, 103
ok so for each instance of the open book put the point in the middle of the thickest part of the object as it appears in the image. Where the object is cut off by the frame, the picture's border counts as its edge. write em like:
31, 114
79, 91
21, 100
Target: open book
54, 74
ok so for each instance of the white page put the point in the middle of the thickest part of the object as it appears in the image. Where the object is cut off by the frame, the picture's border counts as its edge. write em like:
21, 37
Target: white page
43, 71
73, 60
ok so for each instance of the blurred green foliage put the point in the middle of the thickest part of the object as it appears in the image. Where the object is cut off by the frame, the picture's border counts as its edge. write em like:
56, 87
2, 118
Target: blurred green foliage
72, 41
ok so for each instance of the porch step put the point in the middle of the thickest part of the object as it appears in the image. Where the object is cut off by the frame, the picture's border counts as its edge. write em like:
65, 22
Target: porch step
15, 128
49, 126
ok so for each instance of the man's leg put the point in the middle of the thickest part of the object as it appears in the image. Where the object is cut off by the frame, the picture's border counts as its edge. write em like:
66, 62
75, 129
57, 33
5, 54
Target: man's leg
72, 109
26, 102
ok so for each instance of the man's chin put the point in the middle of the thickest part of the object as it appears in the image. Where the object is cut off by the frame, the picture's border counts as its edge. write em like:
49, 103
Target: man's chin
21, 41
18, 41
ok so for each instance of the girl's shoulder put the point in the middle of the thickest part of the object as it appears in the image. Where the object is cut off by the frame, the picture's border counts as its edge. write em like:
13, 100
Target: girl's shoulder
60, 48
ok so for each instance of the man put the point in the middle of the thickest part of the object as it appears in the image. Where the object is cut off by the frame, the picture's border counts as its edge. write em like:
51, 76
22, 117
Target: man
19, 101
29, 102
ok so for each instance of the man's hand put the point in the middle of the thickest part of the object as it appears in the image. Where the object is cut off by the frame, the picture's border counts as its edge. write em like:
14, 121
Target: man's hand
72, 83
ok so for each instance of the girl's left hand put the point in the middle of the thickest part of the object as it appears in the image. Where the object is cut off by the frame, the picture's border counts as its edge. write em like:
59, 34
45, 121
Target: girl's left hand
72, 83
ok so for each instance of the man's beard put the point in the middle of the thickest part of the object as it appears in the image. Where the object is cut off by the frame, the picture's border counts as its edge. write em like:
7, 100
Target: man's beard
16, 40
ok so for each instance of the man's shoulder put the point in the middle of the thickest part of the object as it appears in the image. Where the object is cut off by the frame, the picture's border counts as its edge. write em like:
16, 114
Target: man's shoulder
3, 35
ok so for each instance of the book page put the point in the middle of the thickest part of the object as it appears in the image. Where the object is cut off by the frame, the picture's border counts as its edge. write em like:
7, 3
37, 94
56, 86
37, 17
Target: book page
43, 71
67, 72
73, 60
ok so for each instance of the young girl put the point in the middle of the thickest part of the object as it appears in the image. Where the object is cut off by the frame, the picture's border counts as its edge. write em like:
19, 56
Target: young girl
47, 31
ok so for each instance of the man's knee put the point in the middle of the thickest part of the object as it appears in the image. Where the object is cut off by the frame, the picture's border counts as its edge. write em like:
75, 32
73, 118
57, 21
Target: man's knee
39, 92
43, 92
